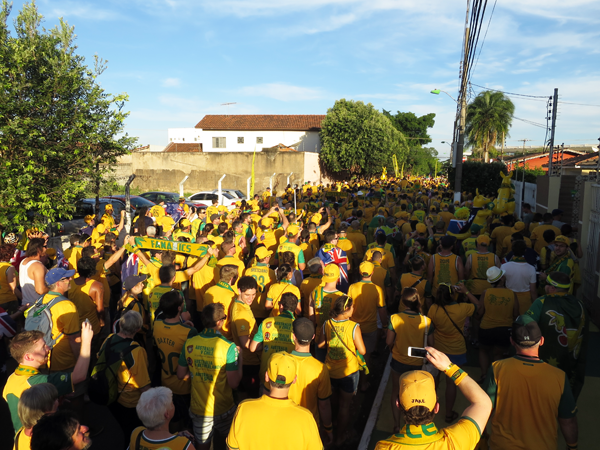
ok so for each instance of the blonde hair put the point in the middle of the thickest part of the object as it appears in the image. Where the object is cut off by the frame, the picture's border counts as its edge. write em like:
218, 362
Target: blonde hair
35, 402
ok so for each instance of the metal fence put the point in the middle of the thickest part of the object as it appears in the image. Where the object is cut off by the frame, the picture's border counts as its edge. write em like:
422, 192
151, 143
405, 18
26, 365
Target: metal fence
590, 271
524, 193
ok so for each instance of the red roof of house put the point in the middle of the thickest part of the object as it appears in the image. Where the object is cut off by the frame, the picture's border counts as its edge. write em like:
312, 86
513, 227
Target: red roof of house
588, 159
262, 122
175, 147
530, 156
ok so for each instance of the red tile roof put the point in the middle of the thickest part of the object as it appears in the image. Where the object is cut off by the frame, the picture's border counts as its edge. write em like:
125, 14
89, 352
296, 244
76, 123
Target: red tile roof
582, 160
529, 156
176, 147
262, 122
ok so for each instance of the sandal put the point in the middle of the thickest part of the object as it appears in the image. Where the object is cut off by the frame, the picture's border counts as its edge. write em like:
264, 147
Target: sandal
452, 417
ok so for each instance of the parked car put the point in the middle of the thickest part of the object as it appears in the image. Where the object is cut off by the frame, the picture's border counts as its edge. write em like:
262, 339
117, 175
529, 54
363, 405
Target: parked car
135, 201
169, 197
208, 196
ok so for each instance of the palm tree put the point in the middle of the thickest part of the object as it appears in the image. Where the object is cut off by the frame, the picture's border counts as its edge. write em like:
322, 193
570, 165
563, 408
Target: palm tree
489, 117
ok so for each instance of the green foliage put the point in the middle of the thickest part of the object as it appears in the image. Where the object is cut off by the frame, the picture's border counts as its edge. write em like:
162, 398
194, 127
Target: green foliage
412, 127
356, 139
489, 118
58, 128
486, 176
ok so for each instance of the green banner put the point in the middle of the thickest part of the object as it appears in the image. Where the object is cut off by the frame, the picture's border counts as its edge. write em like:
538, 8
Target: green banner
188, 248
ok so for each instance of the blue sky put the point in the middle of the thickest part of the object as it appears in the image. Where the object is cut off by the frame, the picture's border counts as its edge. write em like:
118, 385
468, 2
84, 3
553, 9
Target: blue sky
181, 59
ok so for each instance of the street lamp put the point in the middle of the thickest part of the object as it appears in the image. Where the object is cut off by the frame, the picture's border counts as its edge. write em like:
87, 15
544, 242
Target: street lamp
444, 142
437, 92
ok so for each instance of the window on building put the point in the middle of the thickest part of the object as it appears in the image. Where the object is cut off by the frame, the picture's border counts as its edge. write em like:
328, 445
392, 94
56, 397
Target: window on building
183, 139
259, 140
219, 142
240, 140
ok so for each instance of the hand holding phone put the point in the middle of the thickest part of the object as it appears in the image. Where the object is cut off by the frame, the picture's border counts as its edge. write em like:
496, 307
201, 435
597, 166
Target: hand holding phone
417, 352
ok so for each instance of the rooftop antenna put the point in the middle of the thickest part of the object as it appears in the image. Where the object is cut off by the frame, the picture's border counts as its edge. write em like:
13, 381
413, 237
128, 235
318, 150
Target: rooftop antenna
227, 104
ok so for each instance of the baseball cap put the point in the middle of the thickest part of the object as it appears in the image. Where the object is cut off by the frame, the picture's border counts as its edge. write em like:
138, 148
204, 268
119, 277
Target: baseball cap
494, 274
525, 331
519, 226
185, 223
421, 228
181, 197
475, 228
366, 268
108, 207
556, 212
304, 330
282, 365
132, 280
432, 208
262, 252
562, 239
483, 239
266, 222
417, 388
11, 238
58, 274
293, 230
331, 273
88, 219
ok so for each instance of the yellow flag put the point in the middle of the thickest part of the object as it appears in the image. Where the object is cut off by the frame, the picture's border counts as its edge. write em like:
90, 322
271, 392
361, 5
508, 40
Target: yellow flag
402, 172
252, 180
395, 165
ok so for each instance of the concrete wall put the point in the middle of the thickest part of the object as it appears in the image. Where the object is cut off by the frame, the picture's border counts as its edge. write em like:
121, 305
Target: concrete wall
164, 171
310, 141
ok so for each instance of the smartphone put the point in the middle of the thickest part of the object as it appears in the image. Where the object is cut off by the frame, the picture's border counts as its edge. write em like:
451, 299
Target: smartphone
417, 352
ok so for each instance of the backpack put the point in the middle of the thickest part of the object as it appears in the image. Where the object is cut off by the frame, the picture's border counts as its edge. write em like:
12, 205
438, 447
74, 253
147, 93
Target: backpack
103, 384
39, 317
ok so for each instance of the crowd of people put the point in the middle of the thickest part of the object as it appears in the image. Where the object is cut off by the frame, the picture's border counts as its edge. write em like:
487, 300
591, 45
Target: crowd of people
193, 326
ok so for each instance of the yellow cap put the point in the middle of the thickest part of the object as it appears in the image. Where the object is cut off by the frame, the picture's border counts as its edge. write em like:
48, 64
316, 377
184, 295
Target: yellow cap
519, 226
331, 273
88, 219
108, 207
51, 252
266, 222
101, 228
185, 223
421, 228
366, 268
417, 388
483, 239
293, 230
562, 239
282, 365
262, 252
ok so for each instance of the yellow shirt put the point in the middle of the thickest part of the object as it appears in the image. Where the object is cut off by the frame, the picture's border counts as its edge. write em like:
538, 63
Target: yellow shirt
480, 263
348, 246
309, 250
499, 304
6, 292
415, 281
243, 323
277, 290
169, 338
368, 297
202, 281
445, 271
86, 307
154, 300
65, 320
265, 277
387, 260
516, 389
308, 285
72, 255
224, 294
250, 430
446, 337
359, 240
288, 246
175, 442
23, 441
232, 261
410, 332
463, 435
537, 235
323, 301
275, 333
209, 356
267, 238
312, 383
341, 359
133, 372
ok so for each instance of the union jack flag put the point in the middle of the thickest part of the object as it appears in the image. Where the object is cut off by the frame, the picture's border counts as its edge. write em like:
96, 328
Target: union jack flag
330, 254
175, 211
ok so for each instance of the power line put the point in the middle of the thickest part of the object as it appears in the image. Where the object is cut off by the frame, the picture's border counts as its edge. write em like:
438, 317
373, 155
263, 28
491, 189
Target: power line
485, 35
511, 93
580, 104
530, 122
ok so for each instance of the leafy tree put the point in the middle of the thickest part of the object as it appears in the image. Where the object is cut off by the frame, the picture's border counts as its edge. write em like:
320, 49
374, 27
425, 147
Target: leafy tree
58, 128
489, 118
356, 139
420, 160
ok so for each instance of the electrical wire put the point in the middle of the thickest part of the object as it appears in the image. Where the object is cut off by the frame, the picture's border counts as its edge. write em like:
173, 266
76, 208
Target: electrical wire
512, 93
580, 104
484, 36
535, 124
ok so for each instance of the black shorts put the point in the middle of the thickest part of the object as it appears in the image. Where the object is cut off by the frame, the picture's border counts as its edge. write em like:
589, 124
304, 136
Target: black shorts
495, 337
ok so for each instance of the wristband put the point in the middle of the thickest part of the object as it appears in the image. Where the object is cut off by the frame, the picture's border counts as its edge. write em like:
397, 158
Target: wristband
328, 428
572, 446
455, 373
130, 248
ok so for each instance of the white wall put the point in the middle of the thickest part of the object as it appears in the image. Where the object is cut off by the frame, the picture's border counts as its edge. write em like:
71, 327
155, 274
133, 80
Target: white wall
310, 141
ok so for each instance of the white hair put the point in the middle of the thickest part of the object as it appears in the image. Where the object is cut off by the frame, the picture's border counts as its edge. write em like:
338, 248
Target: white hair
151, 231
131, 323
153, 405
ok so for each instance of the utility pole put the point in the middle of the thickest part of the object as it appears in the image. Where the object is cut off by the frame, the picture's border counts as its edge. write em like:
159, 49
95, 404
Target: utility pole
524, 140
463, 115
552, 130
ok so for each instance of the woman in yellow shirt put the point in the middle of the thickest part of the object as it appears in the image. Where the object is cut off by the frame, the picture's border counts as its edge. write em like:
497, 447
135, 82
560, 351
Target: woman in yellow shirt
276, 290
408, 328
343, 339
448, 318
9, 280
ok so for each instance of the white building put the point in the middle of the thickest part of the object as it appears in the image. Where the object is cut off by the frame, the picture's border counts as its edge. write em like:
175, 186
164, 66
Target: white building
248, 133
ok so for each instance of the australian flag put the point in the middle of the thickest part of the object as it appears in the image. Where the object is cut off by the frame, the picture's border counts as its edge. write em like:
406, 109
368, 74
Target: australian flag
175, 211
331, 254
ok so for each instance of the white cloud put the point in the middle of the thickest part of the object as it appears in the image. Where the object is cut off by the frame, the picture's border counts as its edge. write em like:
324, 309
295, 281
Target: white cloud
282, 92
69, 10
171, 82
